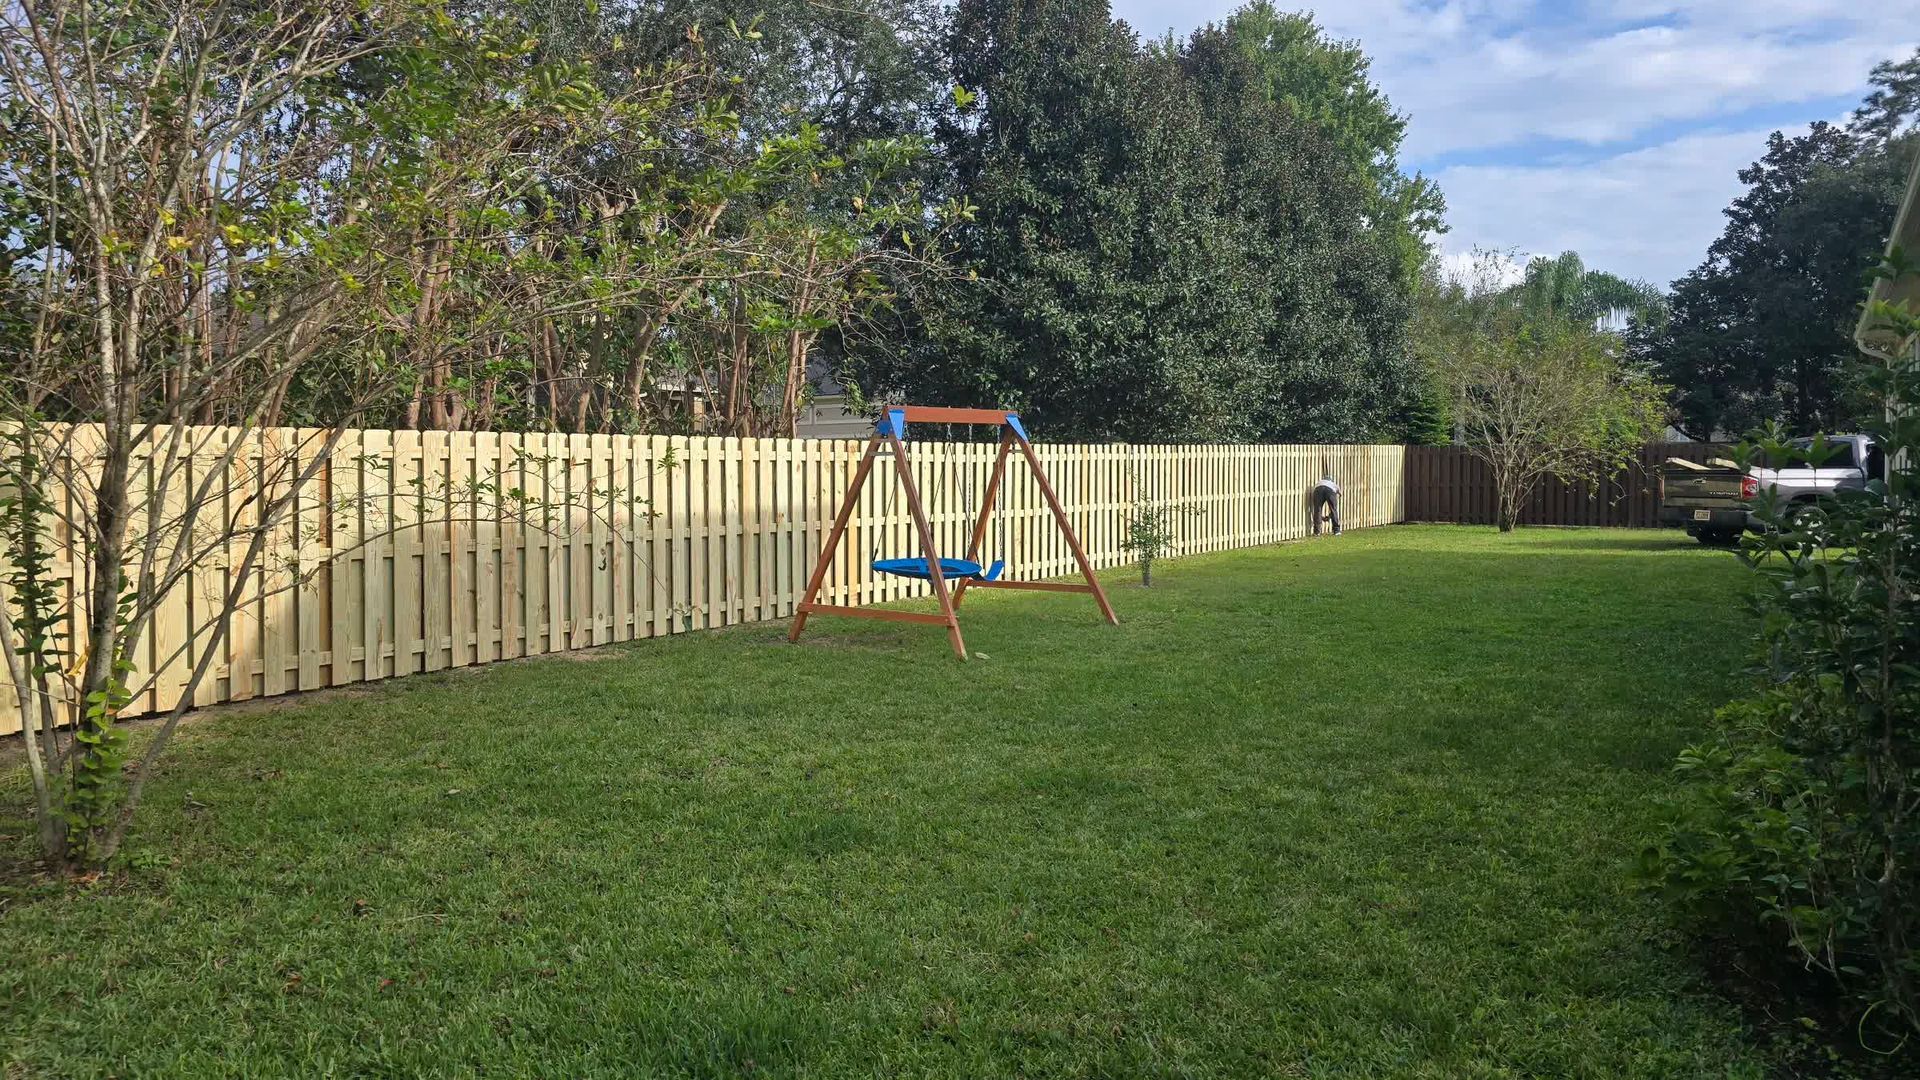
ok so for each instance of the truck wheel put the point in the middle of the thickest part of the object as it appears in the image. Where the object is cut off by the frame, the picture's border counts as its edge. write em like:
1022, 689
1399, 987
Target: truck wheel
1807, 518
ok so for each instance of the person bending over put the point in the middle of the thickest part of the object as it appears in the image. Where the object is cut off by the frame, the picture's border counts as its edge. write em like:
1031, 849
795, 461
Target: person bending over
1326, 497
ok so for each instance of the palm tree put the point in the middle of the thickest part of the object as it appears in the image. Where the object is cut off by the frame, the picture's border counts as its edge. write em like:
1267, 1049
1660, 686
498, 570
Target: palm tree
1564, 289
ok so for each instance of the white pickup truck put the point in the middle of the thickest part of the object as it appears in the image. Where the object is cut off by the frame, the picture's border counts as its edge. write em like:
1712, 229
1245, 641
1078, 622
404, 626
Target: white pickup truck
1854, 460
1713, 501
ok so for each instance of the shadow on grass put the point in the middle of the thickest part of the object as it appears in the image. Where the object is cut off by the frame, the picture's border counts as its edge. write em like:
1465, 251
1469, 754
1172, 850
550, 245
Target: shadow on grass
1563, 541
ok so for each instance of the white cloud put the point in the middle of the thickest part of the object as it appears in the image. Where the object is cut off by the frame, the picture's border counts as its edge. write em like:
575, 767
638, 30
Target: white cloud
1499, 79
1495, 269
1509, 90
1478, 74
1648, 214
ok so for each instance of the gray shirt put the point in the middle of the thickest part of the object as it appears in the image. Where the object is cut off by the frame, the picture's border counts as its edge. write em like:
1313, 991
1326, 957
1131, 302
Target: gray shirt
1327, 482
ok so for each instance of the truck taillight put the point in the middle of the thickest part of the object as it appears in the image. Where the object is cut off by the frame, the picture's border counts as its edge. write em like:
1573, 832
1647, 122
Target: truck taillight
1749, 487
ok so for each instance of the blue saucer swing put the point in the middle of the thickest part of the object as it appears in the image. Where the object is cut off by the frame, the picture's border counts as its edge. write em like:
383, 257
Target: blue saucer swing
909, 567
949, 568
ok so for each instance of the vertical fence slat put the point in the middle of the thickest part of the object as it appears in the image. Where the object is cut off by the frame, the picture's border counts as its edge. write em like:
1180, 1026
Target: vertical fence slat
415, 551
1449, 484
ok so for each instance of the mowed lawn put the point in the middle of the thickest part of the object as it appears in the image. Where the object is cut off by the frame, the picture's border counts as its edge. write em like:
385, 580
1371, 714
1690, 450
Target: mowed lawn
1363, 806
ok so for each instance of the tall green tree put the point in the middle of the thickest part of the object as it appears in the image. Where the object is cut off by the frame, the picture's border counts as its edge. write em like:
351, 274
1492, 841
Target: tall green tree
1322, 274
1893, 105
857, 70
1163, 247
1532, 383
1094, 183
1327, 83
1761, 330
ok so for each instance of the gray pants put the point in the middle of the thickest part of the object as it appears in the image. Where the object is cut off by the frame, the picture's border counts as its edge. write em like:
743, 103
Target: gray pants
1329, 500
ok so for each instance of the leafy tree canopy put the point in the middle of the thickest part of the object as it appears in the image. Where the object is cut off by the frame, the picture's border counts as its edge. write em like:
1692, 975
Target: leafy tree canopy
1564, 288
1326, 82
1761, 331
1165, 247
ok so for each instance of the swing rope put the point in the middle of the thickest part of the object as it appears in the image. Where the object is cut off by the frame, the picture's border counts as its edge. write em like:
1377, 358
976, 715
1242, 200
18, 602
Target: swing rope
1000, 546
886, 511
886, 503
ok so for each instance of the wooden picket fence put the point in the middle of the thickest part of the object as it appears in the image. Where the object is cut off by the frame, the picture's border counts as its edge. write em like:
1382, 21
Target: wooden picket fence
1451, 484
417, 551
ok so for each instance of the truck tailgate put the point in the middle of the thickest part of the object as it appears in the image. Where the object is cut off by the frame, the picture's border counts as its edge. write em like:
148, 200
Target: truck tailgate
1688, 483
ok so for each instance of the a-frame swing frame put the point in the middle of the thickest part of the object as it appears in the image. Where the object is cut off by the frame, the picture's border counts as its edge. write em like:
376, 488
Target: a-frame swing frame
890, 434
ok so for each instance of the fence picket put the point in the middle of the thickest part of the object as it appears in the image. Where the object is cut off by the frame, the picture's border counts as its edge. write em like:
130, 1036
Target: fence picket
412, 551
1449, 484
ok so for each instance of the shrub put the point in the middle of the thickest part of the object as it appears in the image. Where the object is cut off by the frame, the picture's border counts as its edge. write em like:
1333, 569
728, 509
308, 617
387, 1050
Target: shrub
1799, 827
1149, 527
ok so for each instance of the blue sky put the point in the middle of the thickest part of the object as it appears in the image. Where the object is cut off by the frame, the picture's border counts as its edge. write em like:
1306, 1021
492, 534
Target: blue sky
1612, 129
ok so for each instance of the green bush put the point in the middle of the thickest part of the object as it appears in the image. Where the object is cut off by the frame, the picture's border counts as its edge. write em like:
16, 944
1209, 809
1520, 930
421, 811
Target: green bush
1149, 526
1799, 826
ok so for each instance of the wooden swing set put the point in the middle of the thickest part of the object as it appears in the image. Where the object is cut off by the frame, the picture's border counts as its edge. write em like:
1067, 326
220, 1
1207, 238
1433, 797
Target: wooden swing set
889, 439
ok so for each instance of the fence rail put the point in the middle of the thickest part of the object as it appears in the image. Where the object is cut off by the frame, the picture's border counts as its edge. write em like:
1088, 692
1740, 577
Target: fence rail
1450, 484
371, 576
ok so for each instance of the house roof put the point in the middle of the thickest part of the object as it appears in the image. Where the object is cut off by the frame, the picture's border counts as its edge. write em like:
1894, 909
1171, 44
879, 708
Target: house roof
1905, 236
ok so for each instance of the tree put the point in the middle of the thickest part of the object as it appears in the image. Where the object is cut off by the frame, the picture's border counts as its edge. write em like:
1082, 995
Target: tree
161, 200
1453, 315
1554, 403
1329, 358
222, 219
1761, 330
675, 272
1891, 107
1148, 530
215, 226
807, 258
1326, 83
1090, 173
1162, 248
1563, 288
857, 71
1693, 351
1535, 389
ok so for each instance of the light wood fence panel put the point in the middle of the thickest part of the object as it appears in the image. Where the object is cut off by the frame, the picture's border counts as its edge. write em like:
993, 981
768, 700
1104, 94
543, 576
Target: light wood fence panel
417, 551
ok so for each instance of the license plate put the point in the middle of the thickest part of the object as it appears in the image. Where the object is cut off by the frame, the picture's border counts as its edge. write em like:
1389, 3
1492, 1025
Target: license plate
1703, 515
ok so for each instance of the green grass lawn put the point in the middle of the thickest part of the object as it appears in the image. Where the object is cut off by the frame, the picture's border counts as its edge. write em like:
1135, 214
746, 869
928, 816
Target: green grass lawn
1361, 806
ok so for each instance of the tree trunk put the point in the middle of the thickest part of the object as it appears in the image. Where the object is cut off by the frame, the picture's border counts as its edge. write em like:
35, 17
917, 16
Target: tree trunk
415, 401
799, 342
53, 831
1511, 486
1511, 498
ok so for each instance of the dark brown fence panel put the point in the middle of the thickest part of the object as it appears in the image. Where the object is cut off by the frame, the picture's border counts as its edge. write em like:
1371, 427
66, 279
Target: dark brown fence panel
1450, 484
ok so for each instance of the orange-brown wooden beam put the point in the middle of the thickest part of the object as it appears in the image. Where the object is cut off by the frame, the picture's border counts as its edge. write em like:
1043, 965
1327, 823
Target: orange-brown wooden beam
883, 614
940, 414
927, 545
1066, 529
1036, 586
832, 541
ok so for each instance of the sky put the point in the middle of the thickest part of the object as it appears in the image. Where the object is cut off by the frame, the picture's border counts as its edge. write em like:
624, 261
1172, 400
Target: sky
1615, 128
